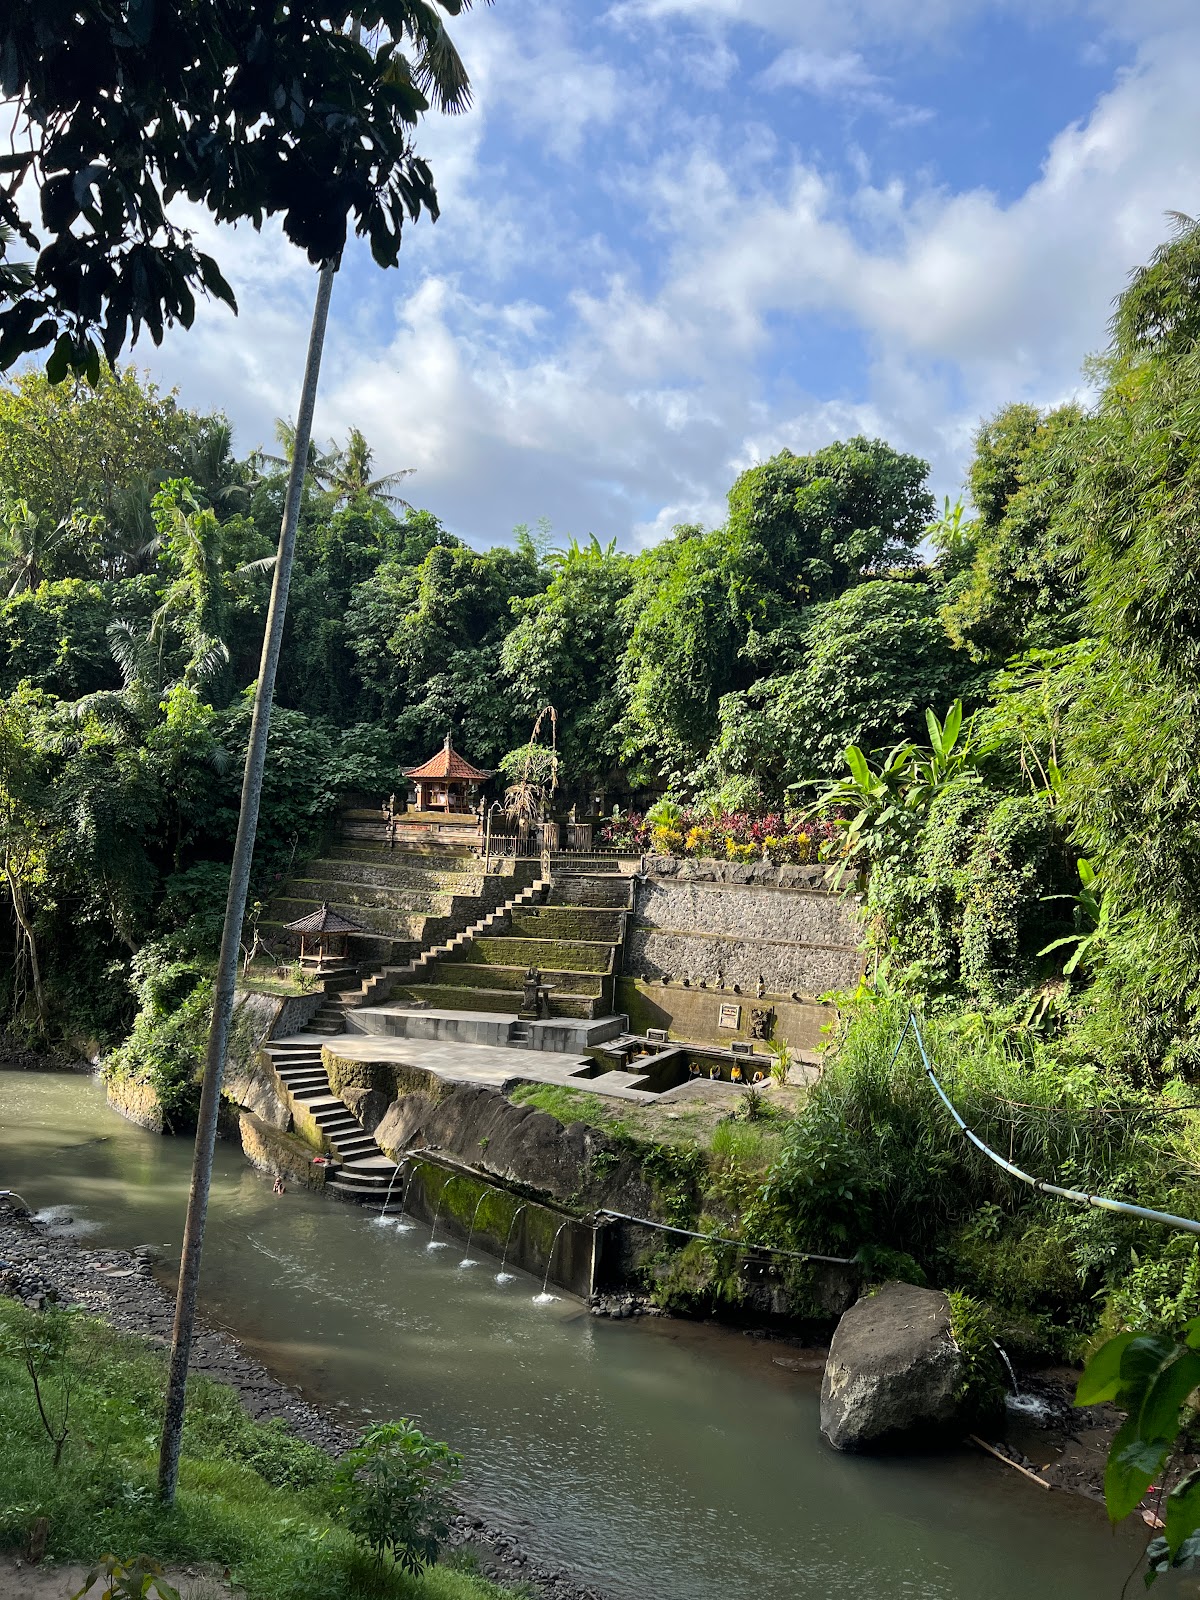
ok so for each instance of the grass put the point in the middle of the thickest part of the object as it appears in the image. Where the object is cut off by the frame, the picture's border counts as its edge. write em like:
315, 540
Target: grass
252, 1497
696, 1122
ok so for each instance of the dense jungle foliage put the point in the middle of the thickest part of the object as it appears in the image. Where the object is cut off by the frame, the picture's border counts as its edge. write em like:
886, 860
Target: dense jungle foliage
990, 717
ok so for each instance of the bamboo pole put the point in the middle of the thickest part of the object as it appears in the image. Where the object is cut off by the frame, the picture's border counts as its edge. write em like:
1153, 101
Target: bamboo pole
1009, 1462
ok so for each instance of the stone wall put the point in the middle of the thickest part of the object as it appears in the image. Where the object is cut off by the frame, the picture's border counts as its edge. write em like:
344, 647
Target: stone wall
407, 1108
137, 1102
694, 1015
729, 923
271, 1149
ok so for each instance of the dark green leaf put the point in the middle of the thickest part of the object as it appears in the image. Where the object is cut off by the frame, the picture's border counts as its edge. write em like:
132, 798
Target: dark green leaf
1183, 1511
1133, 1464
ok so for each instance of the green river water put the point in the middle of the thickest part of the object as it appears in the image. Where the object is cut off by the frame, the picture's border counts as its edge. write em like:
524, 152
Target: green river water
662, 1460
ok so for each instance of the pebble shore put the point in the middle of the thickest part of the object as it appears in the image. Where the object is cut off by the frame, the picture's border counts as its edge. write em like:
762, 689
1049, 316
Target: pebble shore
37, 1264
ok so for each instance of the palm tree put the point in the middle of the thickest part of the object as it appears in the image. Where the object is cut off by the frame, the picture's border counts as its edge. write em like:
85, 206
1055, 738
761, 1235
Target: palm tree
422, 51
321, 463
351, 475
195, 598
30, 544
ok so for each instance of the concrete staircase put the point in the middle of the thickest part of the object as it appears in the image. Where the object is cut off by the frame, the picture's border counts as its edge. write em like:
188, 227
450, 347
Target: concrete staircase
363, 1172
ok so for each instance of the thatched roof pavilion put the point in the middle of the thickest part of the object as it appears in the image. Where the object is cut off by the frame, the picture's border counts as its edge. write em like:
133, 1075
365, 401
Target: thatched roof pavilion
327, 929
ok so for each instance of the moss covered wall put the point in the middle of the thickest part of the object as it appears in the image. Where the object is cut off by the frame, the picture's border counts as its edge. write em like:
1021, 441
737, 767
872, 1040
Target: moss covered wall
136, 1101
526, 1234
693, 1013
273, 1150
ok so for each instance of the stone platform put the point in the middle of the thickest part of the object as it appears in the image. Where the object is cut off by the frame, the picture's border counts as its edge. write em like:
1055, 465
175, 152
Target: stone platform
500, 1067
501, 1028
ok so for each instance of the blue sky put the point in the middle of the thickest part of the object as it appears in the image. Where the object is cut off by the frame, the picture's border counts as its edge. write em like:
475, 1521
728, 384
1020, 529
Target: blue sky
678, 235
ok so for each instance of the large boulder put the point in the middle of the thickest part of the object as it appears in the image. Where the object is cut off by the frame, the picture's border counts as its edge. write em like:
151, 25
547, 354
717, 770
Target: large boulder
895, 1372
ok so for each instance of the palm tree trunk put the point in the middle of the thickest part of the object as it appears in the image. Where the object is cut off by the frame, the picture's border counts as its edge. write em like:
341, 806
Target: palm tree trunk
235, 911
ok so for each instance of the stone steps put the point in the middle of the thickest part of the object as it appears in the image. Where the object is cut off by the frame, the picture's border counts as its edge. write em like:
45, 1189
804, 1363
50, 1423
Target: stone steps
591, 924
393, 897
572, 889
390, 872
481, 975
436, 857
557, 955
450, 997
372, 919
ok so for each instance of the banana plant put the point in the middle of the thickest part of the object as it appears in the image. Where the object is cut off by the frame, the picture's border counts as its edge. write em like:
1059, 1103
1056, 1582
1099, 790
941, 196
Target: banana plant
888, 804
1151, 1377
1091, 915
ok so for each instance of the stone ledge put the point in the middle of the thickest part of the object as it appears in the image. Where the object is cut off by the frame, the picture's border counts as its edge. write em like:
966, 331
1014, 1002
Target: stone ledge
816, 878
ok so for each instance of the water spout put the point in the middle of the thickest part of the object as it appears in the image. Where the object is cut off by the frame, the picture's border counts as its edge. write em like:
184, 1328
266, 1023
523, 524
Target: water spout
541, 1299
502, 1276
1016, 1387
434, 1242
381, 1220
466, 1260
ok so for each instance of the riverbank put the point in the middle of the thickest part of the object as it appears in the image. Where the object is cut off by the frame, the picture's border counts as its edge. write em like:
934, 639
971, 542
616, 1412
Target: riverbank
119, 1288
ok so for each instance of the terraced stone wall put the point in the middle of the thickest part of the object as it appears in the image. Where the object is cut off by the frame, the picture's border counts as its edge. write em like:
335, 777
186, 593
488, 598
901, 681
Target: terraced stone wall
739, 925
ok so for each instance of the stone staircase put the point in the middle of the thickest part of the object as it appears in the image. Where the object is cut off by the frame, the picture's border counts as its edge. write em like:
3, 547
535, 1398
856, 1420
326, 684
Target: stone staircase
405, 898
363, 1172
571, 928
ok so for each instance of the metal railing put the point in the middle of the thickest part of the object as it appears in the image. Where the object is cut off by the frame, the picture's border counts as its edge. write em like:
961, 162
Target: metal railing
534, 840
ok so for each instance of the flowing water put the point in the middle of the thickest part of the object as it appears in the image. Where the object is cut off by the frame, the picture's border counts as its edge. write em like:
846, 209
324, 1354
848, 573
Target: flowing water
657, 1458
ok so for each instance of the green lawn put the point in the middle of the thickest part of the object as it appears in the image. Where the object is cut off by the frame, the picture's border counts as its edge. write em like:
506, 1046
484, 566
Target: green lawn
252, 1497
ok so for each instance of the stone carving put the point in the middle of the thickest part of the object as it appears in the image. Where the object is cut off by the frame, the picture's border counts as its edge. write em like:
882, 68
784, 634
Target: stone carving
760, 1022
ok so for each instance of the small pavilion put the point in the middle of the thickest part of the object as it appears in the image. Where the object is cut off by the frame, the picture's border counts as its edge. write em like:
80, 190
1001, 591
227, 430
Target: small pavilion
323, 936
447, 782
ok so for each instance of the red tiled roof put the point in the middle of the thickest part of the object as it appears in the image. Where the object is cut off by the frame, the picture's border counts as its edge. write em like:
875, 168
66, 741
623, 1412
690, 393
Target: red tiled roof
448, 764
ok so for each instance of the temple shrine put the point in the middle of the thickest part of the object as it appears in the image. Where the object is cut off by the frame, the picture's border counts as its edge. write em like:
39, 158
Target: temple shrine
447, 782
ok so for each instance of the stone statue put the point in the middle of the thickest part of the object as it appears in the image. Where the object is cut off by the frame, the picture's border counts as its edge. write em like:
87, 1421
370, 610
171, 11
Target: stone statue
760, 1022
531, 998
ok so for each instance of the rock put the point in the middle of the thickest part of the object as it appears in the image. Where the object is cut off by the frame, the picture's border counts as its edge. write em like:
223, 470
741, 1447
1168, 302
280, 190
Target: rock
368, 1105
894, 1370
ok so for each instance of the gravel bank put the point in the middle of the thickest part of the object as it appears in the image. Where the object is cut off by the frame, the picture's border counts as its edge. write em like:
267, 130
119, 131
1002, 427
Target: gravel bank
119, 1287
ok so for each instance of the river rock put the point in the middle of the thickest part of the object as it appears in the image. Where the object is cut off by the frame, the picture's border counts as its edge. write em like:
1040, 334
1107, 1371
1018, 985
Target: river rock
894, 1371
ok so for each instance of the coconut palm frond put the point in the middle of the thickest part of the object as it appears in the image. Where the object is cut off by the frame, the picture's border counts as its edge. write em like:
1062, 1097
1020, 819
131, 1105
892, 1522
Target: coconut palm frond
263, 564
436, 67
212, 657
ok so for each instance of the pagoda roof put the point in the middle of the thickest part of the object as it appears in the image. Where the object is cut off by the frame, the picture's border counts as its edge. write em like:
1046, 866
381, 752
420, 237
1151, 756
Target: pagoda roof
323, 921
447, 764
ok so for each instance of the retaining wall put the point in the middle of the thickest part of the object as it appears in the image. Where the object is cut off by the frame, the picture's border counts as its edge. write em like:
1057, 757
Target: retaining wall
731, 924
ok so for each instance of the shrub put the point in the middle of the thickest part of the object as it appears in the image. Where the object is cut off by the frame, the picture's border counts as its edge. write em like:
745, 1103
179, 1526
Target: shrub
391, 1493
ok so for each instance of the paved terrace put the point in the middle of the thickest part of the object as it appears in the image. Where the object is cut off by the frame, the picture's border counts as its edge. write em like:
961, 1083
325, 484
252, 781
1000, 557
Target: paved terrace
500, 1066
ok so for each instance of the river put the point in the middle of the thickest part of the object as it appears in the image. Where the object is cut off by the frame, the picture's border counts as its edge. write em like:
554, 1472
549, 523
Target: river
662, 1460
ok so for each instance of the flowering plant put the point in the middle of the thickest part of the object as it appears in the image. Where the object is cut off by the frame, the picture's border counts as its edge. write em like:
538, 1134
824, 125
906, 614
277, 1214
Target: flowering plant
741, 836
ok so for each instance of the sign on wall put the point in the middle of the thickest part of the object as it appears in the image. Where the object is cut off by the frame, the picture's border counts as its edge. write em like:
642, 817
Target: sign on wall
730, 1017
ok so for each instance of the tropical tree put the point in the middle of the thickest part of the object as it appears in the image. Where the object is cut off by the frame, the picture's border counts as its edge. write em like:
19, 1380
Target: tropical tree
351, 474
30, 544
567, 644
250, 114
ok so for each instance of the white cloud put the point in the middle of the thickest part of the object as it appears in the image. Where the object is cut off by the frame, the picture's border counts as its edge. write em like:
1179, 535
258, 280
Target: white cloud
631, 406
824, 74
